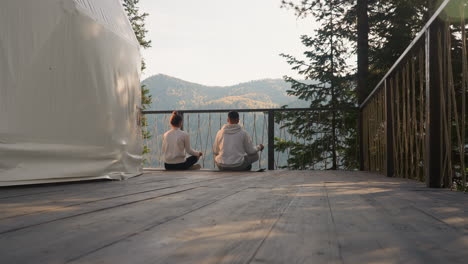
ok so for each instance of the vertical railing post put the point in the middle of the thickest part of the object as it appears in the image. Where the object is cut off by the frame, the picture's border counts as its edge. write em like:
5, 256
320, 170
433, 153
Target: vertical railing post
182, 115
361, 140
271, 140
389, 163
433, 162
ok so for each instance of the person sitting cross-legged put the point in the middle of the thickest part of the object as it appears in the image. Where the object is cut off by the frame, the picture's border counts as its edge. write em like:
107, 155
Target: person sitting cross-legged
233, 149
175, 144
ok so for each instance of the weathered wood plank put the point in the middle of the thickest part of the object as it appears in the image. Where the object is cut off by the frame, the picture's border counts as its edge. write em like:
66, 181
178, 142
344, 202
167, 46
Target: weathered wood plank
229, 231
154, 176
78, 195
206, 217
70, 207
375, 226
79, 234
305, 233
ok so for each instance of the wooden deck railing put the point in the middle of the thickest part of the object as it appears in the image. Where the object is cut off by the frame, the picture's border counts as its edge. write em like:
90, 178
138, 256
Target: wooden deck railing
414, 122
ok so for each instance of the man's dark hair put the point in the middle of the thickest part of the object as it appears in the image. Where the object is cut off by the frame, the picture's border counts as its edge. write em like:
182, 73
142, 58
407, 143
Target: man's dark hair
233, 115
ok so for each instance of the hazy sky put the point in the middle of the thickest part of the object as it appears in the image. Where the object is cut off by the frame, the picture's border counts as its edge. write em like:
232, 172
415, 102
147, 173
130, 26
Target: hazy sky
221, 42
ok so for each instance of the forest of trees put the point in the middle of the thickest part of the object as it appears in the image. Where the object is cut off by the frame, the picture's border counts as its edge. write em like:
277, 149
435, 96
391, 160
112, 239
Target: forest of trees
355, 45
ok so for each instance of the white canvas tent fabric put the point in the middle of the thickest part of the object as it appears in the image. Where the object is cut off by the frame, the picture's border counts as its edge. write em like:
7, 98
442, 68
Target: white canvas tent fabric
69, 92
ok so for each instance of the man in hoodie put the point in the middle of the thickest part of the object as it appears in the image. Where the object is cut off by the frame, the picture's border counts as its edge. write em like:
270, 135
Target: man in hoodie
233, 149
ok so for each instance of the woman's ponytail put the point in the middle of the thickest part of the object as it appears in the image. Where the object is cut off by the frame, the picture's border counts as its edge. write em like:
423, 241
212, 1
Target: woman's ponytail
175, 119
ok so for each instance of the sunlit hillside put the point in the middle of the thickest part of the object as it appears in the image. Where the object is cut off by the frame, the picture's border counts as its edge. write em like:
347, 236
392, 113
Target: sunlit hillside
239, 102
172, 93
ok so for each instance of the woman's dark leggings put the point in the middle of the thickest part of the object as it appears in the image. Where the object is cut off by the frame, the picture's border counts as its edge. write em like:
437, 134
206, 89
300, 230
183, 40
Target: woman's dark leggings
182, 166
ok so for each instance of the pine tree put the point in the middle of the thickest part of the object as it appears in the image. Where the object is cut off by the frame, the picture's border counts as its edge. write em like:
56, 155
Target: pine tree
362, 26
388, 27
393, 25
137, 20
325, 137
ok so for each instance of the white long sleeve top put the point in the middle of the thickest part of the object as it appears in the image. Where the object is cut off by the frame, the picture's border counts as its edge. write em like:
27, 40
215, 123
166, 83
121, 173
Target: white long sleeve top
175, 144
231, 145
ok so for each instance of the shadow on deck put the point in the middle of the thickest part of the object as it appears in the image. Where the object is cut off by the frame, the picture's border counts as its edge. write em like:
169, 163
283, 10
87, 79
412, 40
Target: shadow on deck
208, 217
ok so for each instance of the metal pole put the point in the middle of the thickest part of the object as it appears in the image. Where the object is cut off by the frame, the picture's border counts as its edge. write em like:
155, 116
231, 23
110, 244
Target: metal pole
361, 140
389, 165
271, 140
182, 115
433, 160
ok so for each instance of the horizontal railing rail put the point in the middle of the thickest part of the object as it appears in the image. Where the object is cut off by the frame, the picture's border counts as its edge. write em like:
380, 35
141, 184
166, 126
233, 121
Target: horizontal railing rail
413, 124
202, 125
250, 110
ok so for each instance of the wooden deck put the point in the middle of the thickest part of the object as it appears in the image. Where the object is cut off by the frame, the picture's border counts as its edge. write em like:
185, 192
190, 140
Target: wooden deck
213, 217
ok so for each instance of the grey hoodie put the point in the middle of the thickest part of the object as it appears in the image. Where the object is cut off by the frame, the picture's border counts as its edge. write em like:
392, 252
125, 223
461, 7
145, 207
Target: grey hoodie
231, 145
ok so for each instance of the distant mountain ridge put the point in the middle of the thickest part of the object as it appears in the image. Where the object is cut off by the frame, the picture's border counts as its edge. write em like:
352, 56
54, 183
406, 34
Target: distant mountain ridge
172, 93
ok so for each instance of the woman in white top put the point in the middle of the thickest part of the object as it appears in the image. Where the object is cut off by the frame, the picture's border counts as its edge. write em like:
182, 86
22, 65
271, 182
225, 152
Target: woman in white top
176, 143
